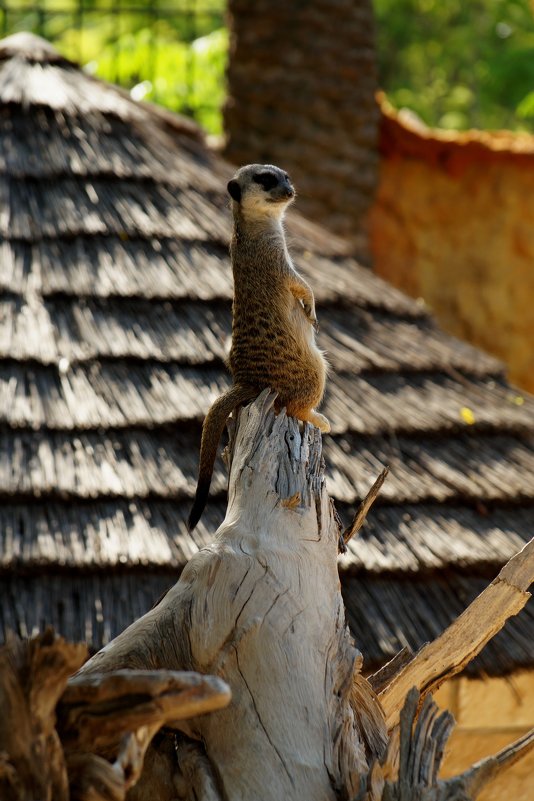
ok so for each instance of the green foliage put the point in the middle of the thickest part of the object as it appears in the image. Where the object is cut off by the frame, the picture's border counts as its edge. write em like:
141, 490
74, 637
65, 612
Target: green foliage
456, 63
459, 64
173, 53
525, 109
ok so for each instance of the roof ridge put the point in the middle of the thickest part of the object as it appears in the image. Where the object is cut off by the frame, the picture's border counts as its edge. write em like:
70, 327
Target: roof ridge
32, 48
27, 48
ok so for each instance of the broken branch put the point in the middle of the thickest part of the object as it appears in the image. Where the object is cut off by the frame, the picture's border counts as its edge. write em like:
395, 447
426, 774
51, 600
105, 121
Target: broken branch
465, 637
363, 509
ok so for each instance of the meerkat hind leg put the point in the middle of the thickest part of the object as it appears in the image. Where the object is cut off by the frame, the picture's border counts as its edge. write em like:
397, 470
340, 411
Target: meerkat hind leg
319, 420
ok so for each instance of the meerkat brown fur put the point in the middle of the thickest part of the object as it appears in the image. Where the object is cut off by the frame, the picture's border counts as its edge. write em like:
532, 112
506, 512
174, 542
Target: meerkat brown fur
274, 322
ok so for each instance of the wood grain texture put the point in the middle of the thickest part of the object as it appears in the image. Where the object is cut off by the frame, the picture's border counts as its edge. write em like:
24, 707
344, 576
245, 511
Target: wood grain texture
259, 613
86, 741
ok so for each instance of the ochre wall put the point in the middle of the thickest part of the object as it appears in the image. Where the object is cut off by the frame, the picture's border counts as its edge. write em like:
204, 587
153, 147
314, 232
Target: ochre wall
490, 714
453, 223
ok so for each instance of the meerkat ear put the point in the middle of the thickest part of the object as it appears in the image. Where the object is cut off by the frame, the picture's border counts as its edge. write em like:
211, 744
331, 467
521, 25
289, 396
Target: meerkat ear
234, 190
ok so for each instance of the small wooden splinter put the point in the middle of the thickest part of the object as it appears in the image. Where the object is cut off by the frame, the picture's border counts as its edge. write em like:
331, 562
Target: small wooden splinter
361, 514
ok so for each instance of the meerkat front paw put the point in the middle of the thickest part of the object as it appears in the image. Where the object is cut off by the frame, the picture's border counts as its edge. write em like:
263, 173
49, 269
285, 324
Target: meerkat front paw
309, 310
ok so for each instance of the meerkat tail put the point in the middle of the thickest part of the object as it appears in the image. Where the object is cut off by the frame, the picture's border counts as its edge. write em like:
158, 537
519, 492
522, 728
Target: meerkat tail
211, 434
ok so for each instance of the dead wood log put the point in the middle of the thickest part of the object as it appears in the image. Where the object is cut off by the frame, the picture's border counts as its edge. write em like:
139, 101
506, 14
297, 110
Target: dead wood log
33, 675
261, 607
96, 711
465, 637
107, 722
63, 753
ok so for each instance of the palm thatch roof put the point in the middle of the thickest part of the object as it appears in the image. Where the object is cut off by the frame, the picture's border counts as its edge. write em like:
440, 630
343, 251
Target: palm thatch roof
114, 320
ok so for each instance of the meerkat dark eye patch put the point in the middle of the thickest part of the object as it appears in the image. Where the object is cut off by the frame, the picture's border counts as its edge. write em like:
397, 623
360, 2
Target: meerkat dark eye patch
234, 190
266, 179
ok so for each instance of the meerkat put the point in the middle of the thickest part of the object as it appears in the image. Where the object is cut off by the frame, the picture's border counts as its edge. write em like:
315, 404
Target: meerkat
273, 317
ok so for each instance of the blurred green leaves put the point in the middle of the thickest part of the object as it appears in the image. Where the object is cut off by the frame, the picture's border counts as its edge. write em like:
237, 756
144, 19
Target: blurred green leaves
172, 52
459, 64
525, 109
456, 63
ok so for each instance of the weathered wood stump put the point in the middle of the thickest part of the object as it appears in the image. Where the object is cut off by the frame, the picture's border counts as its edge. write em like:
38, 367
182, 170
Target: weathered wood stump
261, 607
90, 746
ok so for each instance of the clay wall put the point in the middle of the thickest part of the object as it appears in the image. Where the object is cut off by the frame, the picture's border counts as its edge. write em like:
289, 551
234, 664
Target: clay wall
490, 714
453, 223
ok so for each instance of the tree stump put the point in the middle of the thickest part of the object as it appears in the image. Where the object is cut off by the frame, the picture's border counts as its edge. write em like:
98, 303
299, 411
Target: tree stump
261, 608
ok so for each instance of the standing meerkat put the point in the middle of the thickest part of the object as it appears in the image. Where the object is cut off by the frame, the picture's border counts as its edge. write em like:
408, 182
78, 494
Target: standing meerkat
274, 322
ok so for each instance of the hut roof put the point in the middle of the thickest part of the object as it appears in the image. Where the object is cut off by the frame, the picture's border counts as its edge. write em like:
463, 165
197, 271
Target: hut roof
114, 317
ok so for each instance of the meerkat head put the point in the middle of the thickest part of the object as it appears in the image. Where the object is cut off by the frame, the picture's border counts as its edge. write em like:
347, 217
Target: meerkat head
261, 190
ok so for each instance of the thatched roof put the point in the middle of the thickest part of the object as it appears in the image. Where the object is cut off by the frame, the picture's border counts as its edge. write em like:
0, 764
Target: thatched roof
114, 318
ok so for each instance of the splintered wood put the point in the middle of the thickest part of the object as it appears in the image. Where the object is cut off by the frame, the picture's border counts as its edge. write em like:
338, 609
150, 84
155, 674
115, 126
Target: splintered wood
363, 509
423, 737
466, 637
90, 747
